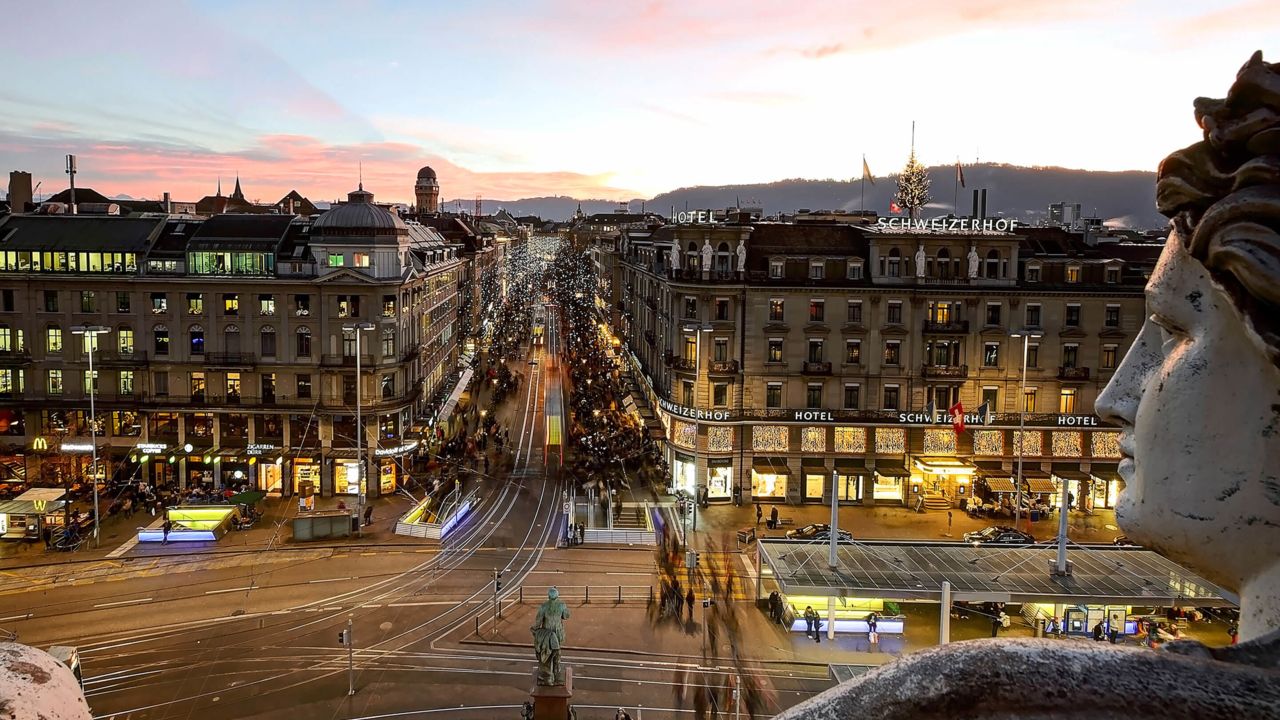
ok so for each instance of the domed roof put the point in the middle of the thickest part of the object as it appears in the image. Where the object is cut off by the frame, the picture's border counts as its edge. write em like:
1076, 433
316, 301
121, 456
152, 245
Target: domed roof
426, 173
358, 217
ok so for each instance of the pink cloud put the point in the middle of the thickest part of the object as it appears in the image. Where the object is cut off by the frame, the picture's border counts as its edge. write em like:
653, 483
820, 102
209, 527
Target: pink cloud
276, 164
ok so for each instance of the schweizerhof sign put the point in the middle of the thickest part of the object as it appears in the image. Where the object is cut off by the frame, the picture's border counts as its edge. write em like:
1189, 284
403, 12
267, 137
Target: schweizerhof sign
947, 225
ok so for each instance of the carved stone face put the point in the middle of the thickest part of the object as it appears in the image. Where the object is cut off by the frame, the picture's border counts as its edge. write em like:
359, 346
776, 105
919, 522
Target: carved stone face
1199, 405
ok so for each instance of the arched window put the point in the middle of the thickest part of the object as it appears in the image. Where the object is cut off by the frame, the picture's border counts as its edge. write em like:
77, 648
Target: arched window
722, 258
692, 257
196, 334
992, 269
303, 336
944, 263
267, 338
161, 344
231, 339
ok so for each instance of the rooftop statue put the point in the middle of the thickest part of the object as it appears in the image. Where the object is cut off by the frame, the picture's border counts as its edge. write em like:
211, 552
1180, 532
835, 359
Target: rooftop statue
1198, 402
548, 638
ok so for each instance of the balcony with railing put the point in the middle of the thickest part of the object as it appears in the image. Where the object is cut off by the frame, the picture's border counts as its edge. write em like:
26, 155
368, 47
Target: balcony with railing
954, 327
723, 367
345, 360
113, 357
229, 359
946, 372
1073, 374
10, 358
816, 368
684, 364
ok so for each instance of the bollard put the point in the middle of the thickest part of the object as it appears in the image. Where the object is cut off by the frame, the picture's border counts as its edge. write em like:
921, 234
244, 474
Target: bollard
588, 594
650, 594
521, 594
619, 593
477, 626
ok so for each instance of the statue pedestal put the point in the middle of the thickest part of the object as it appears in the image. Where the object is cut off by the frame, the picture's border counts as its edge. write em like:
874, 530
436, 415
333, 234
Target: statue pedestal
551, 702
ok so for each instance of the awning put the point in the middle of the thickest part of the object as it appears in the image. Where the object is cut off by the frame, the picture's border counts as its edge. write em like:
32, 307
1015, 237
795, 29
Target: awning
41, 495
813, 462
452, 402
775, 466
1000, 484
1040, 485
891, 468
853, 464
945, 465
1073, 475
30, 507
990, 466
1106, 473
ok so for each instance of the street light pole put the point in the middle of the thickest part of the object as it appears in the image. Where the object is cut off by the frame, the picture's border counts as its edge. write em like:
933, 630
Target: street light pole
91, 333
1022, 424
358, 329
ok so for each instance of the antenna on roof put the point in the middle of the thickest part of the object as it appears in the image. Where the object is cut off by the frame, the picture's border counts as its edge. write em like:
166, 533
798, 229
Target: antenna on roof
361, 174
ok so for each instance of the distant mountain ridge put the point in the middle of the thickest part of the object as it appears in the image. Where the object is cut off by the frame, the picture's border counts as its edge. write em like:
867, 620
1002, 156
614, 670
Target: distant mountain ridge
1123, 198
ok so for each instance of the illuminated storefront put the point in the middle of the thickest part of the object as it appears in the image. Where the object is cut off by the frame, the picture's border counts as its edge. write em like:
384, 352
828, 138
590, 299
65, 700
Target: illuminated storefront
684, 473
387, 474
270, 476
346, 477
769, 479
719, 478
943, 477
306, 473
1107, 485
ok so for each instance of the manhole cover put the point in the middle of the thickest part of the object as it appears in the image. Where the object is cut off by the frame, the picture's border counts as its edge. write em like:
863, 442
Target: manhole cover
384, 627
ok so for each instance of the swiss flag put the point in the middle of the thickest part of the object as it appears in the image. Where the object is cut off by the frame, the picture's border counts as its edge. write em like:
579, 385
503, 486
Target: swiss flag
957, 417
894, 208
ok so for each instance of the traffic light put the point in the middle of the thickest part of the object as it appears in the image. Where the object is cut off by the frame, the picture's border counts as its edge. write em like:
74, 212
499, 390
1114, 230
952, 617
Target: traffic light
497, 581
342, 637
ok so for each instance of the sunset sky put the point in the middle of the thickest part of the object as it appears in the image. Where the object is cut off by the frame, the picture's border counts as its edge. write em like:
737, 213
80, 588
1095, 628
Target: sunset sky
599, 98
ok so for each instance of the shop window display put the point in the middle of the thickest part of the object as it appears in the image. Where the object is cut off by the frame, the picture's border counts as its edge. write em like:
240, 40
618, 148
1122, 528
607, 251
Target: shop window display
769, 438
814, 484
346, 477
891, 441
719, 481
851, 440
850, 487
768, 484
1066, 443
813, 440
683, 474
887, 488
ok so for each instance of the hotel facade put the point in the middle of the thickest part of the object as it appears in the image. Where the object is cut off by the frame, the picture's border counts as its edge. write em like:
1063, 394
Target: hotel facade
785, 360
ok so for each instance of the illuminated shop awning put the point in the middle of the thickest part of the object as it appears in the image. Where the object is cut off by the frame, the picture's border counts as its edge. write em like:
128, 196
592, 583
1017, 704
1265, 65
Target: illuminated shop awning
944, 466
891, 468
1073, 474
452, 402
1000, 484
1040, 484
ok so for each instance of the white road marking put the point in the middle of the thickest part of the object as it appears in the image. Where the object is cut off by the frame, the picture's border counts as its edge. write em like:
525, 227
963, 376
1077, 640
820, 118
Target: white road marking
325, 580
227, 590
15, 617
124, 602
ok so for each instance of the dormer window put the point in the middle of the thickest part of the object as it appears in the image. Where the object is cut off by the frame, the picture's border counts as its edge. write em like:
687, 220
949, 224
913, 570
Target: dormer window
1033, 272
817, 270
1073, 274
775, 269
360, 260
1112, 275
854, 270
335, 260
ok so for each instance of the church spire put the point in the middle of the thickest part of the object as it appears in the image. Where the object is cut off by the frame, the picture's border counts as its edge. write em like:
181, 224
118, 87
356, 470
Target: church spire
219, 187
237, 195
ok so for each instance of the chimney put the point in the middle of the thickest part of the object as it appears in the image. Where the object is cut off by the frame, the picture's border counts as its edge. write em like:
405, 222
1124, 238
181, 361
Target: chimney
168, 204
288, 206
974, 214
19, 191
71, 170
983, 207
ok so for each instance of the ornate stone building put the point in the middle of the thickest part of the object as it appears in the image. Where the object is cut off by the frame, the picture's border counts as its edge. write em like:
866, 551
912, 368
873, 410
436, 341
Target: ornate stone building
779, 356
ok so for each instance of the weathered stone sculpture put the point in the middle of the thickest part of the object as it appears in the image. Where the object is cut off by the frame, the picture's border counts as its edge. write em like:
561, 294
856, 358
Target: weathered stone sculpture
973, 261
35, 686
548, 638
1198, 401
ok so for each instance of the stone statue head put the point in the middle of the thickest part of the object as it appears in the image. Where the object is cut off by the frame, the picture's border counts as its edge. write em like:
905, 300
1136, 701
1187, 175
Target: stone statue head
1198, 394
553, 593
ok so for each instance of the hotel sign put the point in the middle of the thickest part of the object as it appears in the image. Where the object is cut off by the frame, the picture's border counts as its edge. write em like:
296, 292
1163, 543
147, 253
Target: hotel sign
947, 225
924, 418
695, 413
694, 217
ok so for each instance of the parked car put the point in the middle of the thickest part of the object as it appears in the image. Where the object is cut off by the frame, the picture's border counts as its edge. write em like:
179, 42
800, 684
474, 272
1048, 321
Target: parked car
998, 535
1124, 541
818, 531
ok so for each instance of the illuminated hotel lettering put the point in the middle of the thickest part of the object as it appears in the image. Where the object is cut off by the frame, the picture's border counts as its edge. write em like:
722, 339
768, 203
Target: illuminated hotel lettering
695, 413
1079, 420
694, 216
942, 418
948, 224
814, 415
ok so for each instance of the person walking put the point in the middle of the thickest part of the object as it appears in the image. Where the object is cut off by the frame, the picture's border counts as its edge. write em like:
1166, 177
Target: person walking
775, 607
1097, 632
995, 626
621, 715
872, 619
688, 599
759, 513
773, 518
168, 525
368, 514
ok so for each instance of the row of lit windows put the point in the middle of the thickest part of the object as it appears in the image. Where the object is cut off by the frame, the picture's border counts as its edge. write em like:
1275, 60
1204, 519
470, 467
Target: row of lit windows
13, 381
83, 262
944, 353
938, 313
13, 341
344, 305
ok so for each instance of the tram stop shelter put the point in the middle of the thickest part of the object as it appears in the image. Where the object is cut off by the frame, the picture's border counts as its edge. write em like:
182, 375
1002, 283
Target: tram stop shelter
1105, 581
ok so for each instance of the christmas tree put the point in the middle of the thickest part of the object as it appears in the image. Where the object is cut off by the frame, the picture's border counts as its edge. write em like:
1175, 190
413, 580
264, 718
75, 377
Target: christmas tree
913, 186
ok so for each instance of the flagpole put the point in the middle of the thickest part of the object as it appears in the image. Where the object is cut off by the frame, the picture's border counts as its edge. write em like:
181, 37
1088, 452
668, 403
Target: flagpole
955, 196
